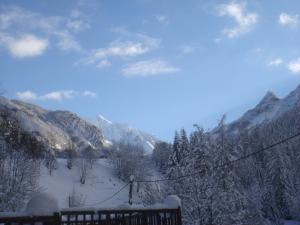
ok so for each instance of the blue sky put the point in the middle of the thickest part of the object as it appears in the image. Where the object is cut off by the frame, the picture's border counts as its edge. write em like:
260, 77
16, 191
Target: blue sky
156, 65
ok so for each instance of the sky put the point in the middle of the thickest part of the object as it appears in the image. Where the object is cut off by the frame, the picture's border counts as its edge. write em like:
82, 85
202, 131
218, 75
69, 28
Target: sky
155, 65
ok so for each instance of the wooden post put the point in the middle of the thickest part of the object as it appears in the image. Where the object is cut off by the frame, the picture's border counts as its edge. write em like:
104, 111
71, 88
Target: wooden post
130, 189
56, 216
138, 187
179, 216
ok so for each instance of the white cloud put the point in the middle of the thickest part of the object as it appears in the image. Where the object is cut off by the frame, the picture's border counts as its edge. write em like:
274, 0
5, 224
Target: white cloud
127, 45
244, 20
27, 45
54, 95
294, 66
67, 42
15, 20
89, 94
186, 49
103, 64
148, 68
27, 95
77, 25
275, 62
58, 95
141, 45
162, 19
288, 20
122, 49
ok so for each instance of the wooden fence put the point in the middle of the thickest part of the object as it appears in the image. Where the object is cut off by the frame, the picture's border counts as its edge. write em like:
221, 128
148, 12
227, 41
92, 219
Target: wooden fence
102, 217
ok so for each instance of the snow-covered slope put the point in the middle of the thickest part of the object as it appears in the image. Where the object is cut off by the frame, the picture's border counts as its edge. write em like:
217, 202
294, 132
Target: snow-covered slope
117, 132
100, 184
268, 109
58, 128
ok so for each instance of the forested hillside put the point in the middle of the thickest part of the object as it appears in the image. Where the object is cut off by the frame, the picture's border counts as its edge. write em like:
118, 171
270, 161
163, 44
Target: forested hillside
235, 178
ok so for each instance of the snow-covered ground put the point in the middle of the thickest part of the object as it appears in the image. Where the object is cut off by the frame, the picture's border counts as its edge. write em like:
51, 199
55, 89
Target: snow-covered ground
100, 184
291, 222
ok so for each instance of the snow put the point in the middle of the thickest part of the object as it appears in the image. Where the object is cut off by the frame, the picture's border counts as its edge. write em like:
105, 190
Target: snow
122, 132
122, 207
150, 144
100, 184
104, 119
107, 143
42, 204
269, 108
12, 214
172, 201
57, 127
291, 222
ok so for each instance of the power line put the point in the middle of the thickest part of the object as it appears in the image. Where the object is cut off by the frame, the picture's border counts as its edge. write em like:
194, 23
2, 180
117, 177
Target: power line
227, 163
110, 197
198, 172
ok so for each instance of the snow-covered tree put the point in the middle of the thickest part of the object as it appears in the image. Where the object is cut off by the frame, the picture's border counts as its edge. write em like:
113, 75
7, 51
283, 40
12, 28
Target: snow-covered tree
19, 165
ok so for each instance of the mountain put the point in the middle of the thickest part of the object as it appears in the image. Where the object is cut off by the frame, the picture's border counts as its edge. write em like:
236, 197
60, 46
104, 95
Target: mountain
268, 109
116, 132
59, 130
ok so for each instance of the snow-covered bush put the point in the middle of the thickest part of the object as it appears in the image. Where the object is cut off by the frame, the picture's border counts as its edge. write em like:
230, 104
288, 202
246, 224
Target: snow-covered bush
42, 204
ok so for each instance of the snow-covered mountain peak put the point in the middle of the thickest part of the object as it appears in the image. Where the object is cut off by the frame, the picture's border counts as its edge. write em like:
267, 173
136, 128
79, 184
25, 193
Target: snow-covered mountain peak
116, 132
269, 108
100, 117
293, 97
269, 98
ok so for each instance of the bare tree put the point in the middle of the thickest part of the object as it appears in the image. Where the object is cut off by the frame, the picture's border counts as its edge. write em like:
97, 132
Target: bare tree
83, 170
90, 155
50, 163
71, 155
19, 168
128, 160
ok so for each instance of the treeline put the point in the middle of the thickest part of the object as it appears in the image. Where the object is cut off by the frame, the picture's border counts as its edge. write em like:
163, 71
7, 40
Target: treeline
261, 189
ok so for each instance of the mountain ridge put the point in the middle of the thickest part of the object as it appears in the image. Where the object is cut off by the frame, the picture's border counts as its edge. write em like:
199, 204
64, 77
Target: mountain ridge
116, 132
59, 128
269, 108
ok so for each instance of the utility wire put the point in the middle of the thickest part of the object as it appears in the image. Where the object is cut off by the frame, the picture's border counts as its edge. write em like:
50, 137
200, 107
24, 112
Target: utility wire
198, 172
227, 163
110, 197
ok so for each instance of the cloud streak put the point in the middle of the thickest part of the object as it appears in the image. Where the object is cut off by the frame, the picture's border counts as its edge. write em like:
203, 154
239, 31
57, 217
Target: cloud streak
275, 62
148, 68
162, 19
127, 45
54, 95
244, 20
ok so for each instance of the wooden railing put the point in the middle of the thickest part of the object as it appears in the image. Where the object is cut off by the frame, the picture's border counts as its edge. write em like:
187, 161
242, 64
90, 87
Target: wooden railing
30, 220
101, 217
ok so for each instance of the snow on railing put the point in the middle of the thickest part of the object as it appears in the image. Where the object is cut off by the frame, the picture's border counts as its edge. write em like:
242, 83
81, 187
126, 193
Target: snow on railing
44, 208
